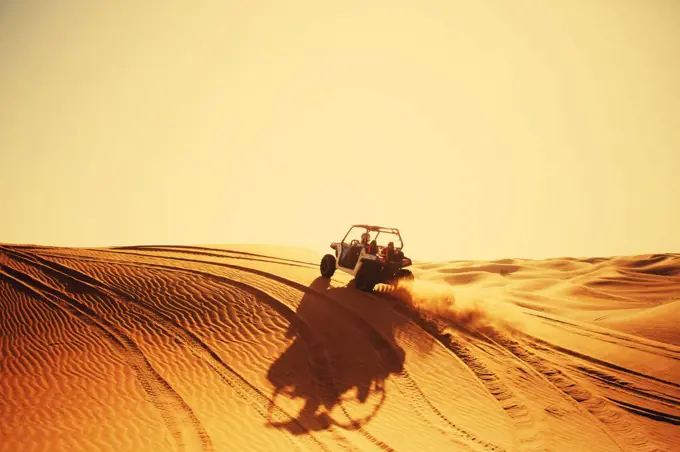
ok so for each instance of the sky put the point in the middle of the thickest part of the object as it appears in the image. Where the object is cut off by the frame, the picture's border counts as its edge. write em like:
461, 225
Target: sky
481, 129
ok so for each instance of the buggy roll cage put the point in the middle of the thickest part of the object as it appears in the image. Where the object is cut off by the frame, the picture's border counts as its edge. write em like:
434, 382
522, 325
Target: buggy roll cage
379, 229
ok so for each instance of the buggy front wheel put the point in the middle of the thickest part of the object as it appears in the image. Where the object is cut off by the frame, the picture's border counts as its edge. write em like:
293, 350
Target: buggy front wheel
327, 266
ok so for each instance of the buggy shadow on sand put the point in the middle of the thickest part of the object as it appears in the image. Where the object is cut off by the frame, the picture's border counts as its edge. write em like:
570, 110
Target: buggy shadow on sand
371, 260
336, 365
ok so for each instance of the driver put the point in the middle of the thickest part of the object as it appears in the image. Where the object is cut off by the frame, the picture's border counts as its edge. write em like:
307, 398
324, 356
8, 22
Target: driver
365, 238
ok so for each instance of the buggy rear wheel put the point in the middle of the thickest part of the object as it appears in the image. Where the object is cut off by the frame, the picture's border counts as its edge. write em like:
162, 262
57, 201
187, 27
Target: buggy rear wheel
402, 275
327, 266
367, 277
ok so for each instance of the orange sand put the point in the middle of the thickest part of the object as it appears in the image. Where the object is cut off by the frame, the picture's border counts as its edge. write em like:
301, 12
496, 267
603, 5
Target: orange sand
247, 348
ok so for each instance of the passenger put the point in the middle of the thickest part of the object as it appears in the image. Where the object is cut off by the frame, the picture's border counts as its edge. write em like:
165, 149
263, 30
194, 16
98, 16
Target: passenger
390, 253
372, 248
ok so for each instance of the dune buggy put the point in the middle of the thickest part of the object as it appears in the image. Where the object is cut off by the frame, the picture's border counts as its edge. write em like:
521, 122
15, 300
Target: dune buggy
370, 254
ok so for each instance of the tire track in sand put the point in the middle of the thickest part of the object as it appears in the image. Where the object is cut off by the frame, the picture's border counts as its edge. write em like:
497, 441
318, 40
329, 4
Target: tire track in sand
606, 413
226, 253
258, 400
501, 342
530, 437
185, 429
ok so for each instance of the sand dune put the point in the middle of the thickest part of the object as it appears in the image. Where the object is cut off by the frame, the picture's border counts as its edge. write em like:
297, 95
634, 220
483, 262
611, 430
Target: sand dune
218, 348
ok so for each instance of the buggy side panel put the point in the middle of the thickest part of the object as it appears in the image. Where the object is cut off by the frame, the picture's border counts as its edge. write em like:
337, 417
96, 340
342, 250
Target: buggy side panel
349, 256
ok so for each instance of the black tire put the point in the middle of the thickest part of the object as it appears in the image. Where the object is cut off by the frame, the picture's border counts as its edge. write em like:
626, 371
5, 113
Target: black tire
327, 266
367, 277
402, 275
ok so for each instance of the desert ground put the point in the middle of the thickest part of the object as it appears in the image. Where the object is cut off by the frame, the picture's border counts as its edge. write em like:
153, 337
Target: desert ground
239, 348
